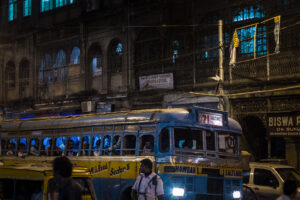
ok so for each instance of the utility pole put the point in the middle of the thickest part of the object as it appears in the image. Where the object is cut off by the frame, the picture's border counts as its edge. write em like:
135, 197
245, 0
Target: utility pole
221, 70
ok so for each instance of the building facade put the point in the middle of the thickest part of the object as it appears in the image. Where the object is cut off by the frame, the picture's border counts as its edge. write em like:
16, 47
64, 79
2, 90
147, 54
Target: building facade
58, 57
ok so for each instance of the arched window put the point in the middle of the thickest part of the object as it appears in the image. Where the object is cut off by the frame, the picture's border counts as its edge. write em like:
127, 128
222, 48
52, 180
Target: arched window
60, 70
23, 77
10, 75
115, 56
96, 60
45, 69
75, 56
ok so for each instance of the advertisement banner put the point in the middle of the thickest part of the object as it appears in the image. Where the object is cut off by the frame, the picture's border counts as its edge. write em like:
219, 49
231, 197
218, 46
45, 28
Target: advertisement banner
157, 81
283, 124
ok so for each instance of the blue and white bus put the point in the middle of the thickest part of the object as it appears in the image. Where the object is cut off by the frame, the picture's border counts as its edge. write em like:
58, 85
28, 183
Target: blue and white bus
195, 150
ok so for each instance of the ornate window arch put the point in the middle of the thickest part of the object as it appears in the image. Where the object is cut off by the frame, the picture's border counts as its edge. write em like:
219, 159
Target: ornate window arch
10, 72
115, 56
75, 56
95, 58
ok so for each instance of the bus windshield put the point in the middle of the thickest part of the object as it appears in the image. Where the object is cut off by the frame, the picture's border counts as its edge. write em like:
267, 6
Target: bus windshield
188, 139
191, 140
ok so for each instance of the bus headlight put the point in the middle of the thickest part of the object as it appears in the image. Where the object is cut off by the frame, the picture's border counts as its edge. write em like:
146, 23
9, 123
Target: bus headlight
236, 194
178, 192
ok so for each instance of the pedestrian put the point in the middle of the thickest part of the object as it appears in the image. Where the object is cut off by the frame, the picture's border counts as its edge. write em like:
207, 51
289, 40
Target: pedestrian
148, 185
63, 187
289, 190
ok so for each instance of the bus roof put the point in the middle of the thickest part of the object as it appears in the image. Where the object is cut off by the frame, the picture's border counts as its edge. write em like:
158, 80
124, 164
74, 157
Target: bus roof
187, 115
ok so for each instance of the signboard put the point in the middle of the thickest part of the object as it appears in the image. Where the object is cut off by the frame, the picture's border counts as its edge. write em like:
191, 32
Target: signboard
283, 124
157, 81
213, 119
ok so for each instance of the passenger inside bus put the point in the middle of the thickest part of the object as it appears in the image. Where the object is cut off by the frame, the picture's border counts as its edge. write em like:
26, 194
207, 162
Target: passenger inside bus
148, 147
70, 148
49, 148
60, 145
146, 144
22, 150
11, 146
115, 148
106, 145
97, 151
85, 146
34, 149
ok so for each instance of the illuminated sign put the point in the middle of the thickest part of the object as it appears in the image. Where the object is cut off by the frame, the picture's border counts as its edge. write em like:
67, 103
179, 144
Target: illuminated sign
213, 119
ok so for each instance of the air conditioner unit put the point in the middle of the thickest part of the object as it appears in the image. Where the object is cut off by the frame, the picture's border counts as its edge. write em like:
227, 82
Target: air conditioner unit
92, 5
88, 106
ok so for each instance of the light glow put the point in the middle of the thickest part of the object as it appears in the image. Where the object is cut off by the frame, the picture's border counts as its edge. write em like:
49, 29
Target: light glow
178, 192
236, 194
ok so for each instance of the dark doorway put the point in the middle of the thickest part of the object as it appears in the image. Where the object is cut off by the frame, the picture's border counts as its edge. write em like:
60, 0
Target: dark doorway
254, 137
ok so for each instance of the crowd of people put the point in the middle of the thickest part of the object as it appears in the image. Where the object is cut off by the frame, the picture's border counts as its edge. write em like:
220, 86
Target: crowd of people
71, 150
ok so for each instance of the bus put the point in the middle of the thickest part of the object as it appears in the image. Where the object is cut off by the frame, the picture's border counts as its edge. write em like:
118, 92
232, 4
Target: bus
196, 151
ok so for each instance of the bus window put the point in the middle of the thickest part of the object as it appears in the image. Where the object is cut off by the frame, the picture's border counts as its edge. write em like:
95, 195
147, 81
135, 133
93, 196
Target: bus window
164, 141
60, 145
97, 145
72, 146
227, 143
146, 145
34, 147
85, 145
11, 147
188, 139
116, 147
46, 147
106, 144
129, 143
22, 147
210, 141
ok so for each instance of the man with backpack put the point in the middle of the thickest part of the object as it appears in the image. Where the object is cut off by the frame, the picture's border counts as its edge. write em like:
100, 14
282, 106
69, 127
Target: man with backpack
148, 185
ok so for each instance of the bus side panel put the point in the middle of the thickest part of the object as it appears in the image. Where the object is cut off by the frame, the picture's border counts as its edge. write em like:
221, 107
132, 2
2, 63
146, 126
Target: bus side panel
112, 189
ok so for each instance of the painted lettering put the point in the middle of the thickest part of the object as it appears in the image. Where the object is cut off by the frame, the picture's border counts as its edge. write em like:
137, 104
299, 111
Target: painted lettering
120, 170
98, 168
179, 169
